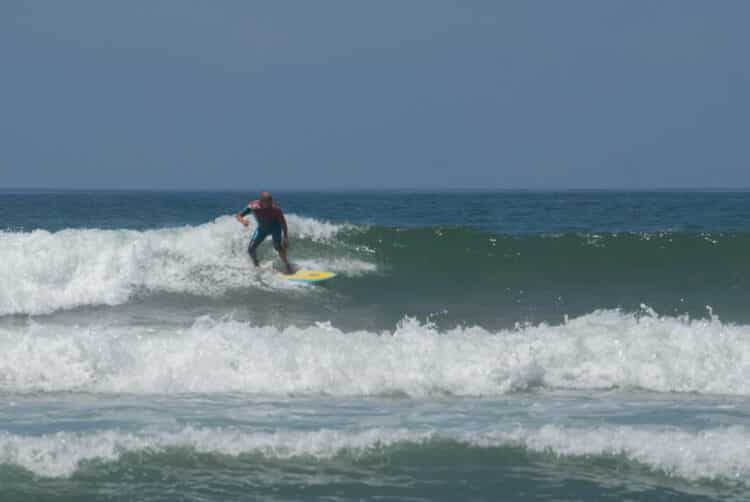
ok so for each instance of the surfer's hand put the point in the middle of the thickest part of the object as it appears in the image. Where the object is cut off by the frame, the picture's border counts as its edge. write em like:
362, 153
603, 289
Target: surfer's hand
241, 219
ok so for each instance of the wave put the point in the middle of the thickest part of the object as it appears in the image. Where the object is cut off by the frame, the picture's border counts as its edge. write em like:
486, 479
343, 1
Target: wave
42, 271
601, 350
714, 454
664, 258
435, 267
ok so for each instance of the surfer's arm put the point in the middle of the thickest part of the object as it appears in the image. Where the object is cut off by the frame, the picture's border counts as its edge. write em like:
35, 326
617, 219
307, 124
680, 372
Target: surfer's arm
241, 216
284, 229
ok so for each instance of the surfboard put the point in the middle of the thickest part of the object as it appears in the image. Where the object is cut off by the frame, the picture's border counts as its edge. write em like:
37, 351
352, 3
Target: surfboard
304, 275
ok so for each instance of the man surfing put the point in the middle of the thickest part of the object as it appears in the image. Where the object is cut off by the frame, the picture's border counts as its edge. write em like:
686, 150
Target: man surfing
271, 221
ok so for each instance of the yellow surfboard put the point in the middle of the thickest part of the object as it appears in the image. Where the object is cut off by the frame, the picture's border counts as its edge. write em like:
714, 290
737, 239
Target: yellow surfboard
304, 275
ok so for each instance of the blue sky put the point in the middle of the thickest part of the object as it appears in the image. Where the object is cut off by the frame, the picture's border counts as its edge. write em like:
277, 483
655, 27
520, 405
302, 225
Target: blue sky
387, 94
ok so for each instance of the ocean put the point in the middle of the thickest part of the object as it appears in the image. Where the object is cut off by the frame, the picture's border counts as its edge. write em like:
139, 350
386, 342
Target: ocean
476, 345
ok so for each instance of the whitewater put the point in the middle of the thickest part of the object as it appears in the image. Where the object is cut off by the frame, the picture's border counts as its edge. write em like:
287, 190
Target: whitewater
603, 350
46, 271
718, 454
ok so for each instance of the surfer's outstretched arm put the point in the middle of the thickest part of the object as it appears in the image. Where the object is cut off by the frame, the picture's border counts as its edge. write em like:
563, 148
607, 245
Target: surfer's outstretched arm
240, 216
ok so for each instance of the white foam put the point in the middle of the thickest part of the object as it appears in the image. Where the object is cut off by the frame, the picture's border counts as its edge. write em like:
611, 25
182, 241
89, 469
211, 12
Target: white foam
601, 350
59, 454
720, 453
716, 454
41, 272
317, 230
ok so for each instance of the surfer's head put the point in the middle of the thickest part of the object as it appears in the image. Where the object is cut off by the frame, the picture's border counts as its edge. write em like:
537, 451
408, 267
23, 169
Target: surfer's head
265, 199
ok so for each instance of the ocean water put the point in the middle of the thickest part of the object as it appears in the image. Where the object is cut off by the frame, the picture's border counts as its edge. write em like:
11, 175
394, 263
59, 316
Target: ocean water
475, 346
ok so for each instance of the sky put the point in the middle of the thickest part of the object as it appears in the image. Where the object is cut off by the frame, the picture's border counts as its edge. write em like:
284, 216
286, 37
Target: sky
425, 94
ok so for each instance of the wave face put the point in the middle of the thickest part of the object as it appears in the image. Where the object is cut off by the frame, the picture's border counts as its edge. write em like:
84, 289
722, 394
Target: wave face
662, 257
681, 263
602, 350
718, 454
42, 271
495, 280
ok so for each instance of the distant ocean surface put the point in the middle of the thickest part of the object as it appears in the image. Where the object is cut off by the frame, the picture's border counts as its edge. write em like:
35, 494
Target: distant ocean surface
475, 346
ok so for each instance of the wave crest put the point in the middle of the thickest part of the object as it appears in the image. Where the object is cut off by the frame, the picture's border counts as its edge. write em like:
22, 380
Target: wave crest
602, 350
714, 454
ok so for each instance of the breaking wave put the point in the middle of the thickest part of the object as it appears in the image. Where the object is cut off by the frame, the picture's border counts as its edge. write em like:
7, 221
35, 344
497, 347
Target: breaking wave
714, 454
601, 350
42, 271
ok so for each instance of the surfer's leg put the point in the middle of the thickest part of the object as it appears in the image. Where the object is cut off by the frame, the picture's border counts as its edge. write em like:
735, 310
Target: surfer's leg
255, 241
287, 265
281, 249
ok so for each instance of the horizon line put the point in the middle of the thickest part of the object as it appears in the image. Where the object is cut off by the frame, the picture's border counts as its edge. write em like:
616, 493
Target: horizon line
383, 189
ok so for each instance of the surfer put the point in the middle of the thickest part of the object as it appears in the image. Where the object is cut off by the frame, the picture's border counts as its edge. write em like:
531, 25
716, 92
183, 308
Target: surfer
271, 221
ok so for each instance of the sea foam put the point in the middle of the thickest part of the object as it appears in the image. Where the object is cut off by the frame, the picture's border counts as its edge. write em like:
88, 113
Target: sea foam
601, 350
41, 271
713, 454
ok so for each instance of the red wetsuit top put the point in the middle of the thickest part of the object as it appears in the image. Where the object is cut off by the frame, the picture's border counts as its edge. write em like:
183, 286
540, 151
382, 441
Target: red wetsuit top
266, 217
